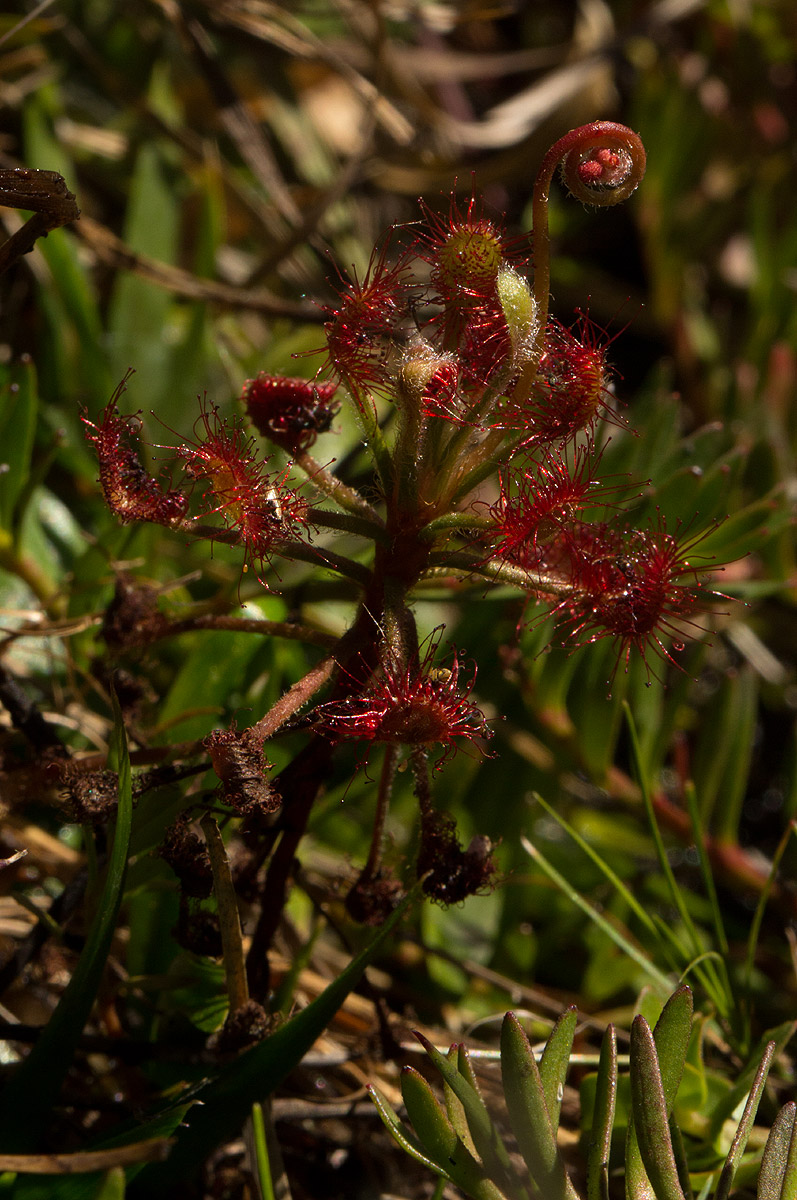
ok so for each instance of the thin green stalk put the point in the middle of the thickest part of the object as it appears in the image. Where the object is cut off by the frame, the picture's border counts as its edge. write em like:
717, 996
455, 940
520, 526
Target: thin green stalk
265, 628
300, 551
349, 523
705, 867
763, 899
260, 1140
374, 441
322, 557
663, 981
638, 909
661, 853
346, 497
454, 522
502, 572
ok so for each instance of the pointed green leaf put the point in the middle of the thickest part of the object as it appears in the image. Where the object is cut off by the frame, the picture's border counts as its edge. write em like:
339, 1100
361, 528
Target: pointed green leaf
401, 1135
555, 1062
745, 1125
112, 1186
486, 1138
454, 1106
780, 1035
679, 1154
776, 1154
227, 1100
438, 1137
528, 1113
471, 1179
430, 1123
603, 1119
671, 1036
35, 1085
649, 1106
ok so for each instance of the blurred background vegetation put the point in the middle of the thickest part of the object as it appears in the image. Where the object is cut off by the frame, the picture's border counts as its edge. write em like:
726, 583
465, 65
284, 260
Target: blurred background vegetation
228, 156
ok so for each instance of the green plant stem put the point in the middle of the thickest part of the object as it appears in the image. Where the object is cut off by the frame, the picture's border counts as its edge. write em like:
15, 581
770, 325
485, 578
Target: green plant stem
260, 1139
407, 453
29, 571
454, 522
349, 523
346, 497
705, 868
299, 551
503, 572
374, 440
323, 557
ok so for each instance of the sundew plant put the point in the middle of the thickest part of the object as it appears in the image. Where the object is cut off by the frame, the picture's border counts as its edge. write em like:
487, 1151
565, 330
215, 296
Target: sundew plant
484, 419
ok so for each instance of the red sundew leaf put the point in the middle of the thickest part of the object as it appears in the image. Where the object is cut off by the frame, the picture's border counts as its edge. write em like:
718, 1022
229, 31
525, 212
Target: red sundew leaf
486, 341
416, 705
539, 503
571, 392
290, 411
362, 329
130, 492
257, 505
636, 586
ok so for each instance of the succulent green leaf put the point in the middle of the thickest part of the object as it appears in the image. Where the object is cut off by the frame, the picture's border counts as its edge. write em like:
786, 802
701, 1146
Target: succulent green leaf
777, 1153
671, 1036
439, 1138
679, 1154
651, 1119
603, 1119
454, 1106
430, 1123
780, 1035
486, 1138
555, 1062
401, 1135
745, 1125
528, 1113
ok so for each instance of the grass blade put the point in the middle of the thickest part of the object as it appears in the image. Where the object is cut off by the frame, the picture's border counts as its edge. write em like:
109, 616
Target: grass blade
227, 1100
661, 853
662, 981
614, 879
35, 1085
745, 1125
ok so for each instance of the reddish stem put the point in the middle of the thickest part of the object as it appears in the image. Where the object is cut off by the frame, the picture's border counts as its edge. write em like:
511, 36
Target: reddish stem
602, 164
